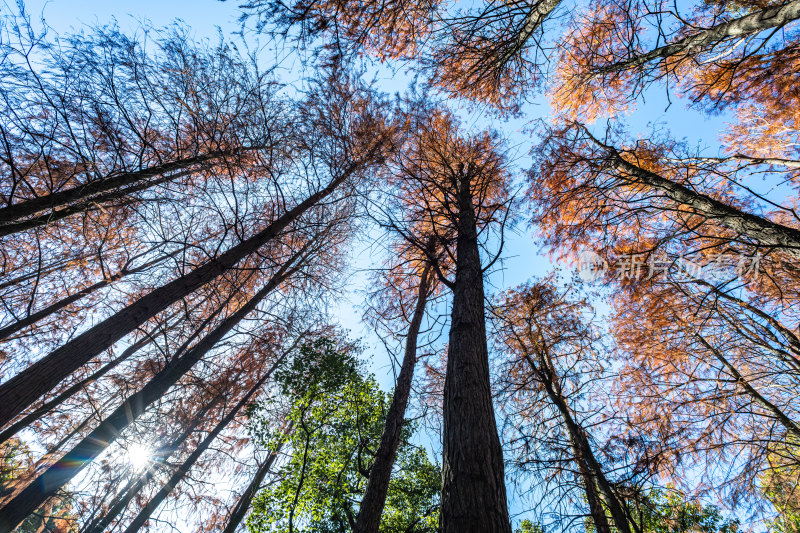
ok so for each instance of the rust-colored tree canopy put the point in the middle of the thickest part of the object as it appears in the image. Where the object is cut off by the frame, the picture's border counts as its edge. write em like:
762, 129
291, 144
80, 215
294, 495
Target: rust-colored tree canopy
383, 266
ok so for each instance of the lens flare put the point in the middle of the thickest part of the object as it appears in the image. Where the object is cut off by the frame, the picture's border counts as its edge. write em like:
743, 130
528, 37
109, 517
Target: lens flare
138, 456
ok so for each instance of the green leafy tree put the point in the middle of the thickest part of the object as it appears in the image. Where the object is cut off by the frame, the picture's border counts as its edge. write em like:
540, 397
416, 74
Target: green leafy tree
660, 511
780, 484
337, 414
669, 512
526, 526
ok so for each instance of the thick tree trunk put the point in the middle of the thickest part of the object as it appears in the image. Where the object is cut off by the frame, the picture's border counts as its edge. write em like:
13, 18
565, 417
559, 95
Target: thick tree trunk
752, 24
183, 469
85, 451
39, 211
473, 480
243, 504
596, 510
761, 230
371, 507
26, 387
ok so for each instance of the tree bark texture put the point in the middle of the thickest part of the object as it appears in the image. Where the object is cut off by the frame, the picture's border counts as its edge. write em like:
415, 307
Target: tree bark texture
473, 480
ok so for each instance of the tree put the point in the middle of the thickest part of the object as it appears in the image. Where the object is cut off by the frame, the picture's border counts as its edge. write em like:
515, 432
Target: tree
579, 175
526, 526
57, 515
550, 346
492, 53
137, 118
371, 507
779, 484
91, 445
663, 511
453, 188
177, 476
239, 511
336, 414
722, 52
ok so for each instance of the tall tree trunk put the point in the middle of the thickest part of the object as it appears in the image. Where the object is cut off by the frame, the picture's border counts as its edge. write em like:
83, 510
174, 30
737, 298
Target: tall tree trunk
43, 209
183, 469
596, 510
591, 472
752, 24
761, 230
85, 451
473, 480
536, 17
243, 504
371, 507
34, 415
26, 387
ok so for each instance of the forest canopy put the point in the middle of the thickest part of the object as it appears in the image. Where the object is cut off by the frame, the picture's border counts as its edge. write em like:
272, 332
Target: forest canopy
400, 266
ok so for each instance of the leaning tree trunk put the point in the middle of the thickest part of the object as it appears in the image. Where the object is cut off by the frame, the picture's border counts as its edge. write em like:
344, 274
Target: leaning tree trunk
762, 231
776, 412
596, 510
36, 414
55, 206
85, 451
591, 472
25, 388
243, 504
752, 24
15, 486
183, 469
371, 506
45, 408
473, 480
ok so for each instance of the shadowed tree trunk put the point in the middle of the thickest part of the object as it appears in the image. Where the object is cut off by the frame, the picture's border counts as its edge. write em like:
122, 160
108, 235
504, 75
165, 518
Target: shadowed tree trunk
371, 506
473, 480
243, 503
45, 408
85, 451
22, 390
